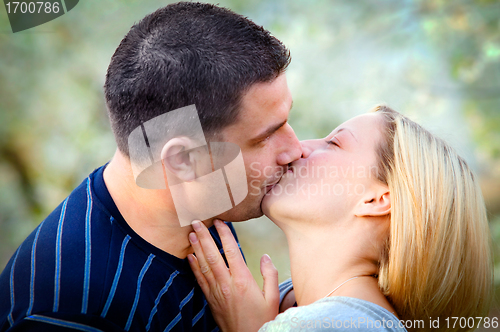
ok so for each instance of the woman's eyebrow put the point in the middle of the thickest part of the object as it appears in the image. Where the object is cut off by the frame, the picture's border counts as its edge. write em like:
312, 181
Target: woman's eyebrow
348, 130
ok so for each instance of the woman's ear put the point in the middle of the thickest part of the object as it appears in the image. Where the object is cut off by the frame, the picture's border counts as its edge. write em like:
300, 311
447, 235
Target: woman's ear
375, 204
178, 158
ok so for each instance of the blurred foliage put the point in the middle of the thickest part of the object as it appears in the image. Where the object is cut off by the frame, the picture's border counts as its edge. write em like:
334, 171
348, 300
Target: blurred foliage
470, 34
438, 61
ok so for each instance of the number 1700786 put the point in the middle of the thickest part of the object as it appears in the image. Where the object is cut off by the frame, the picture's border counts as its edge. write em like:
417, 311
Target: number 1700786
471, 322
32, 7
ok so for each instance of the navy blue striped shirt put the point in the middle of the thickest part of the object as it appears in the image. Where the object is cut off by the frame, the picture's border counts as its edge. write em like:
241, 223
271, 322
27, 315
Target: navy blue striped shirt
83, 268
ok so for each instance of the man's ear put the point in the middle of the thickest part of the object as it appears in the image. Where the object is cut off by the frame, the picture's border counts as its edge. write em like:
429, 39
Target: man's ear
374, 204
179, 159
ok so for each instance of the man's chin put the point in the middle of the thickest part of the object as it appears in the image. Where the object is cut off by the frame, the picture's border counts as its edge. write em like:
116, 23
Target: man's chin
243, 211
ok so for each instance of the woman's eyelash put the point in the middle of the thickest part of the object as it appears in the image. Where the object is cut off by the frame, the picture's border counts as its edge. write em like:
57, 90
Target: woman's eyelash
332, 142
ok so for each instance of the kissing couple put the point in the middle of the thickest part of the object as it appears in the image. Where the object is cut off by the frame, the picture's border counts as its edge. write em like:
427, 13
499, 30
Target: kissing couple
396, 244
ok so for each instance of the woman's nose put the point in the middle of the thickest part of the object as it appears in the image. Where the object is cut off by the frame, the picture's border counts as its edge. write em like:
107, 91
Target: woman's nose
309, 146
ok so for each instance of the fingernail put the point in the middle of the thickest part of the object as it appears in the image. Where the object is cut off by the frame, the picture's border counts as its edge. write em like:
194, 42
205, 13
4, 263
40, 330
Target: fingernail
217, 222
266, 258
190, 258
196, 225
193, 238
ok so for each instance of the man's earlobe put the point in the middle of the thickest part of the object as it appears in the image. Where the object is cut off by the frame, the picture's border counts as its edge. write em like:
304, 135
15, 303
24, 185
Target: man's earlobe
178, 160
378, 205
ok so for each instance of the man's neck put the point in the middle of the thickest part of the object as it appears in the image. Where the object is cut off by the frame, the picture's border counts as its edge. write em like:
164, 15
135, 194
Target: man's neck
149, 212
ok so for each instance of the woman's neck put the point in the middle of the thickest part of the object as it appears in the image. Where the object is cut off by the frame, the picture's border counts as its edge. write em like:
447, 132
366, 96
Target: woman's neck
322, 259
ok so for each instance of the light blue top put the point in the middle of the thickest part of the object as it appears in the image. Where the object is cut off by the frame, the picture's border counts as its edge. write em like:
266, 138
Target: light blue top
337, 313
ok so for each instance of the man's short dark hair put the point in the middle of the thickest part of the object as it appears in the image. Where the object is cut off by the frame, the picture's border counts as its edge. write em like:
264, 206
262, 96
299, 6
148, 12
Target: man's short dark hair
188, 53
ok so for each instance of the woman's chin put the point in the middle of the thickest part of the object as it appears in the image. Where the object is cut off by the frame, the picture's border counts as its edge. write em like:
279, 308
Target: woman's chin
272, 203
265, 204
276, 210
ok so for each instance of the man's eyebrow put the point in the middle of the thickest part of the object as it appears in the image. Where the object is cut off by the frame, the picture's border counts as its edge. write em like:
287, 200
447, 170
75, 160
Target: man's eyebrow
269, 131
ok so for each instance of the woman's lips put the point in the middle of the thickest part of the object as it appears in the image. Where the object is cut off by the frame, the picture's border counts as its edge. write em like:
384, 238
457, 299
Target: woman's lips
271, 186
289, 172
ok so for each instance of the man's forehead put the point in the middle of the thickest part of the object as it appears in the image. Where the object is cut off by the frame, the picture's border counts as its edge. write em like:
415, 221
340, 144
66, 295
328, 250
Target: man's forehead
263, 108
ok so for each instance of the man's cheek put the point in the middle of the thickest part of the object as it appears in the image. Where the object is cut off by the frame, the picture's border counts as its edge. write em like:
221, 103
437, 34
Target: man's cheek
254, 188
258, 173
254, 171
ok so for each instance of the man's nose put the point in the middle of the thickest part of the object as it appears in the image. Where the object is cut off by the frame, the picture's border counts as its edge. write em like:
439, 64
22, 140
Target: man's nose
294, 149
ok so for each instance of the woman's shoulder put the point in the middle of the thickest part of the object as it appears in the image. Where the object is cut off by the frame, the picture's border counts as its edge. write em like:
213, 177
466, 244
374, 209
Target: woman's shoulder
339, 313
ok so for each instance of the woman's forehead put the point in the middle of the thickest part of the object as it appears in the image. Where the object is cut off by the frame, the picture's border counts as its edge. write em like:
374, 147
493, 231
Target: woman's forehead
364, 124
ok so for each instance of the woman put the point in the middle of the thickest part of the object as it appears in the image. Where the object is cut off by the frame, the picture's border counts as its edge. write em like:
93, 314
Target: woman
386, 229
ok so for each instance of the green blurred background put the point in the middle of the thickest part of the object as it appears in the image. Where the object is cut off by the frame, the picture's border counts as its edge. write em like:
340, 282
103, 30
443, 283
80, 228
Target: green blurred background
436, 61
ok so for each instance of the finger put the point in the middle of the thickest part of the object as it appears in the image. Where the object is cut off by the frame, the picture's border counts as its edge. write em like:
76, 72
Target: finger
195, 266
237, 264
211, 253
200, 256
271, 287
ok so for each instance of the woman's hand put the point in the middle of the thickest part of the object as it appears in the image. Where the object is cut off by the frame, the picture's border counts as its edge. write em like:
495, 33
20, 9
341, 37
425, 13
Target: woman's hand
235, 299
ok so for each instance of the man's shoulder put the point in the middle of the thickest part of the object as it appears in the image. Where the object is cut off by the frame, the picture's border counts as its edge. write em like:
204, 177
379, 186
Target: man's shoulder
69, 225
80, 203
56, 257
72, 229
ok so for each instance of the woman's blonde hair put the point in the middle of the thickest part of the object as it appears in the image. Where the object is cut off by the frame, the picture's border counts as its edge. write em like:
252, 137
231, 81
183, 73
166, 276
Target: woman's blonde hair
438, 257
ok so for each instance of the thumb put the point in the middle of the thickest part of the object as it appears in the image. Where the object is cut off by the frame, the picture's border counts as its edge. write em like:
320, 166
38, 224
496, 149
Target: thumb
270, 276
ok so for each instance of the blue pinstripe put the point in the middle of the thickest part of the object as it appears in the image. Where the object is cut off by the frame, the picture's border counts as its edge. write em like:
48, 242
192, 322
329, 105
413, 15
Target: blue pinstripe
86, 280
179, 315
32, 277
186, 299
116, 278
173, 322
138, 290
157, 301
199, 314
216, 329
57, 274
12, 299
63, 323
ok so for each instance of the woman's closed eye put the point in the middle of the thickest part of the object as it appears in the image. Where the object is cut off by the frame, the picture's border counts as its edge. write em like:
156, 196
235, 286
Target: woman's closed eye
333, 141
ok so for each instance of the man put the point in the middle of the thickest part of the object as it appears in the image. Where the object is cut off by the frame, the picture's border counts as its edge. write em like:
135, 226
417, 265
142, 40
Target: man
112, 256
